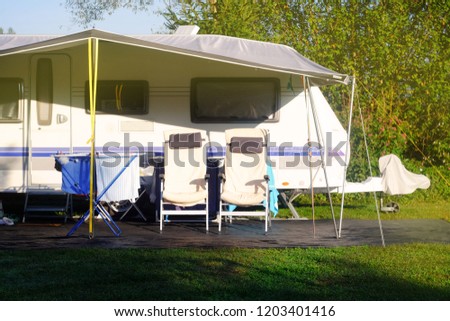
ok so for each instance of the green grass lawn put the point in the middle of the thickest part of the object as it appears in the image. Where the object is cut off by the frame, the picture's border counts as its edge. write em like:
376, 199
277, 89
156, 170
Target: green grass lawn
397, 272
367, 210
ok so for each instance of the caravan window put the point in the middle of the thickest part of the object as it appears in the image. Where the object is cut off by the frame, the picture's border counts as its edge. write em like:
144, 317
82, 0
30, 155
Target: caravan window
124, 97
11, 95
230, 100
44, 91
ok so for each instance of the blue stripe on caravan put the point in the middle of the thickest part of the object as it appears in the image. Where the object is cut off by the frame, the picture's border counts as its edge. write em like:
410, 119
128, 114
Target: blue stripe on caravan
157, 151
48, 151
13, 151
216, 151
293, 151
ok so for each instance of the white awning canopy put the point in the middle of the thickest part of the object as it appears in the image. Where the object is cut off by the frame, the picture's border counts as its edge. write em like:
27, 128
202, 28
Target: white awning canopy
250, 53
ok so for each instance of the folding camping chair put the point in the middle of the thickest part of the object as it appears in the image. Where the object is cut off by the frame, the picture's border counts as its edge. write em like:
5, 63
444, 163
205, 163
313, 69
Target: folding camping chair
112, 185
184, 184
245, 179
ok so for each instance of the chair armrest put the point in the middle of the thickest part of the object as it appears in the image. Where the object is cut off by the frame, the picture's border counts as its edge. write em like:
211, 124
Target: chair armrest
222, 177
161, 176
266, 177
207, 177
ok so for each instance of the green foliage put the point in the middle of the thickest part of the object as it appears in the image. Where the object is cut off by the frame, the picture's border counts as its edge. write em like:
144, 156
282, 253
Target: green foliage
88, 11
399, 53
9, 32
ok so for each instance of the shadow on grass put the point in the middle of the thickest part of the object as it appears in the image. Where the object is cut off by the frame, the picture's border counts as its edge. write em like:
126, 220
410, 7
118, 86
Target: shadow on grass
416, 272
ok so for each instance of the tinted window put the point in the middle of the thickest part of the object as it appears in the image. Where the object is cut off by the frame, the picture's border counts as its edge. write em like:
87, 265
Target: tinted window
128, 97
234, 99
11, 94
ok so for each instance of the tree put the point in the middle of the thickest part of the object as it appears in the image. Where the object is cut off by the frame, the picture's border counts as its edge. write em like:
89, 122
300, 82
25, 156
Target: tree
86, 12
9, 32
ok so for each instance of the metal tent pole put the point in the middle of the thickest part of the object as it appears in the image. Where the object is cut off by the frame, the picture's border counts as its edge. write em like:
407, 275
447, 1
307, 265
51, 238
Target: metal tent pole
347, 148
371, 175
320, 138
310, 156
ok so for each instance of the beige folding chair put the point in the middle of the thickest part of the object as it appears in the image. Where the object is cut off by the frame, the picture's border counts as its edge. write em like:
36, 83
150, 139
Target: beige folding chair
245, 179
184, 183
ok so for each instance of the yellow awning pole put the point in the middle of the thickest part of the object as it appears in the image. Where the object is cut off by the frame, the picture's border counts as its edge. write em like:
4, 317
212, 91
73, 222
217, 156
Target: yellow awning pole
93, 72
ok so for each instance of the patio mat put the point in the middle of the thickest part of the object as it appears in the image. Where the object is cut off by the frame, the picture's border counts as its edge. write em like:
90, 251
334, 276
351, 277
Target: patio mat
240, 234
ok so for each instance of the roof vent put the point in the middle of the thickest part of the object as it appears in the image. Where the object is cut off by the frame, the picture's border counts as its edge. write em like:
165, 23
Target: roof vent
187, 30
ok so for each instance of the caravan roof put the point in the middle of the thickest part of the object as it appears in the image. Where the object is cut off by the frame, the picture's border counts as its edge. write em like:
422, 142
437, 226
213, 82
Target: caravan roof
251, 53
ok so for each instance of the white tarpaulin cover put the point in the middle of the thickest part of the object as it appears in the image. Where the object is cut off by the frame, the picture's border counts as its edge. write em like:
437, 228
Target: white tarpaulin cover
397, 180
250, 53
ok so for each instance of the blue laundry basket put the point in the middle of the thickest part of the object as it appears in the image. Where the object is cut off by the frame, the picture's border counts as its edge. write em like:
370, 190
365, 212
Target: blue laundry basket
75, 171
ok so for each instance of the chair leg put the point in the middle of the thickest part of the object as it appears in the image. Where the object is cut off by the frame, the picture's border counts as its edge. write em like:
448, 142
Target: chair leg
267, 208
219, 213
161, 216
207, 216
266, 217
265, 224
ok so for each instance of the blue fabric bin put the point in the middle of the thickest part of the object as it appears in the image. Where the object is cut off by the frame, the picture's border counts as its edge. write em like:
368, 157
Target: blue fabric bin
75, 171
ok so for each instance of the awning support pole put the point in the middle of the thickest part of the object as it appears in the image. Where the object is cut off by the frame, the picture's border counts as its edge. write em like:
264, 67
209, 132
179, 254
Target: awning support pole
347, 147
93, 73
321, 145
368, 162
371, 175
311, 178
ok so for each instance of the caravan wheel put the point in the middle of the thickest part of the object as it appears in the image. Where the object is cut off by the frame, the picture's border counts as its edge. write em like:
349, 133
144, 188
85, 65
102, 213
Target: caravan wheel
393, 207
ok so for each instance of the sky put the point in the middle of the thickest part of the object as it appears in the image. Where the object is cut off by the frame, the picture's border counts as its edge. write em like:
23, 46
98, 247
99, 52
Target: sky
50, 17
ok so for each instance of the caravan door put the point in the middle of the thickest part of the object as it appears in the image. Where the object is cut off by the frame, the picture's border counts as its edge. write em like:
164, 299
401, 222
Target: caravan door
50, 116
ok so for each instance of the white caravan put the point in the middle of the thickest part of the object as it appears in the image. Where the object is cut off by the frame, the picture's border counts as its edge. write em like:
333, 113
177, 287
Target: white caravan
149, 84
